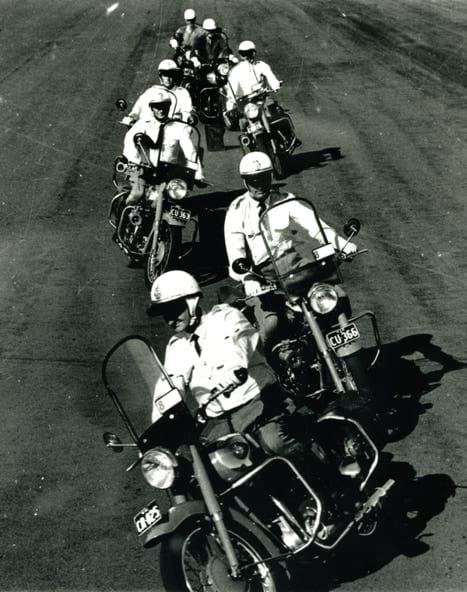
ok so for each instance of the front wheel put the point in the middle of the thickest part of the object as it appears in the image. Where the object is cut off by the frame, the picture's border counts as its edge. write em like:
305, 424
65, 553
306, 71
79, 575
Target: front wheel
192, 560
166, 252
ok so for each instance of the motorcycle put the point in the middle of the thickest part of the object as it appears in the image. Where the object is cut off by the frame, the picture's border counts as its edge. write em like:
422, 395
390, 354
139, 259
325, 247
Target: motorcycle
236, 518
267, 127
150, 231
209, 100
322, 356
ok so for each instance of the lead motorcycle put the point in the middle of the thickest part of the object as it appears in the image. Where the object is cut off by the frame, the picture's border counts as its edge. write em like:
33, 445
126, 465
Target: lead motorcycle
150, 231
233, 519
267, 127
322, 355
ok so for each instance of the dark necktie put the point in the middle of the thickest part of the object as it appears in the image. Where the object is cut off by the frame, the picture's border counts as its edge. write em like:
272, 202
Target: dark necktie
196, 345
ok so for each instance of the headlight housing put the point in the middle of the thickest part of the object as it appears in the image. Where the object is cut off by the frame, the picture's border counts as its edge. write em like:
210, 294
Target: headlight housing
223, 69
177, 189
323, 298
158, 467
211, 77
251, 110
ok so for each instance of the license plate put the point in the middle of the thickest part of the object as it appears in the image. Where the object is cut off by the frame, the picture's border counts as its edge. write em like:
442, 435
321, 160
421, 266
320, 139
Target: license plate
180, 214
341, 337
254, 127
147, 517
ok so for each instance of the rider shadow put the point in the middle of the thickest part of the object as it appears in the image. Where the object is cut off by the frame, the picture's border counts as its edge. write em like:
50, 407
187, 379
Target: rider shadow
316, 159
407, 370
411, 504
408, 509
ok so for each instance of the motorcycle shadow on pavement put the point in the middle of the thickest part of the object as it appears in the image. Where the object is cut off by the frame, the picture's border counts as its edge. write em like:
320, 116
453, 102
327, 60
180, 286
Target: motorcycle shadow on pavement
407, 370
410, 506
306, 160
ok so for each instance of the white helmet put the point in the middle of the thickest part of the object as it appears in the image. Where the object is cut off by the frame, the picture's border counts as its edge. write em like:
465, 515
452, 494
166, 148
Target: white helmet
255, 163
167, 65
209, 24
174, 285
160, 96
189, 14
246, 46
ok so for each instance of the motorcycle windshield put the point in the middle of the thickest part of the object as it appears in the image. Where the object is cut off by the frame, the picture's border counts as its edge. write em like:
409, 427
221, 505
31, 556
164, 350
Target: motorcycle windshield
297, 252
130, 373
180, 145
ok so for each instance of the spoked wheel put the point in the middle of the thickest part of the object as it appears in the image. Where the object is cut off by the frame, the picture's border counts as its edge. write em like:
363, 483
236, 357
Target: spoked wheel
168, 248
192, 560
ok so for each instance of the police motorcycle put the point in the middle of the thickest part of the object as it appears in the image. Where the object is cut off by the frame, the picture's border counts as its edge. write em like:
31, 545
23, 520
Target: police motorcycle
322, 357
150, 231
232, 518
209, 99
267, 127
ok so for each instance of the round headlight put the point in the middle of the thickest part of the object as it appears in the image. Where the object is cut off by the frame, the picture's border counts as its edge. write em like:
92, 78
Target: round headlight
158, 467
251, 110
211, 77
223, 69
177, 188
323, 298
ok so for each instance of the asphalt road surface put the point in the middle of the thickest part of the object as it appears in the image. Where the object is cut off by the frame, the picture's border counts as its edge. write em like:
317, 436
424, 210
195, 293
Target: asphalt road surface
385, 83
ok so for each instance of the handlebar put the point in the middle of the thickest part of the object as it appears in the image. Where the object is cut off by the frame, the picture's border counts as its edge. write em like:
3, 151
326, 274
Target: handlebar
341, 256
201, 415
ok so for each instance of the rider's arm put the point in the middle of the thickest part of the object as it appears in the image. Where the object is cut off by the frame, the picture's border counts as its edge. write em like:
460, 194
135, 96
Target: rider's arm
305, 217
265, 70
234, 235
129, 148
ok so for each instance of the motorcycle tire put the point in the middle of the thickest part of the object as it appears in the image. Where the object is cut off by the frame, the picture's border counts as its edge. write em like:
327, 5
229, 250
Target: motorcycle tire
192, 559
169, 243
263, 144
214, 137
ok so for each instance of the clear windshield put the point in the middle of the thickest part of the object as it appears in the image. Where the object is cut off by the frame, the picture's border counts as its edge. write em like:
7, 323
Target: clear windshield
180, 145
296, 244
131, 371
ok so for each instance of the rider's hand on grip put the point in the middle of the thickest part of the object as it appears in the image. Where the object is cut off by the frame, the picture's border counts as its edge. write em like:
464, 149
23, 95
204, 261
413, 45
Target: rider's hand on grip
229, 378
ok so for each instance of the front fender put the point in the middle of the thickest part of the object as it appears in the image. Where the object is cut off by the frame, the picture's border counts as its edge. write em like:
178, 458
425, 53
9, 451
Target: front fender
172, 520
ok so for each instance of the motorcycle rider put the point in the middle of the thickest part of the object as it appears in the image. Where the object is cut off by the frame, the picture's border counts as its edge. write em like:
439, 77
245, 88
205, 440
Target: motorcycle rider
185, 36
243, 240
160, 106
247, 76
212, 45
204, 355
169, 75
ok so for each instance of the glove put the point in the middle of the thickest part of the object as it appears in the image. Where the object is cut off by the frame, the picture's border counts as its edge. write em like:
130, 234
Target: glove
196, 63
252, 288
173, 43
233, 59
350, 249
226, 379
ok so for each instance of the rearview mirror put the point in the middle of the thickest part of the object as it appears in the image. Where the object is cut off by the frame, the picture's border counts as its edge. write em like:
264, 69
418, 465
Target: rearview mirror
121, 104
352, 227
113, 441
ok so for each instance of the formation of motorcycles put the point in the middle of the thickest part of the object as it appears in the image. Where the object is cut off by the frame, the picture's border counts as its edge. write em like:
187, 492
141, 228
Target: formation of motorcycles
237, 518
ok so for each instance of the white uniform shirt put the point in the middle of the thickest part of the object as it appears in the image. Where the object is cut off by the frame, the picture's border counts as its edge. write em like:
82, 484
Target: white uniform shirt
288, 226
178, 147
182, 108
246, 77
226, 340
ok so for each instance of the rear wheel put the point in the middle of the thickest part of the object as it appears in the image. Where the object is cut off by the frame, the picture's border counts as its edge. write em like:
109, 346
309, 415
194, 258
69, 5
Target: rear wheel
166, 253
192, 560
